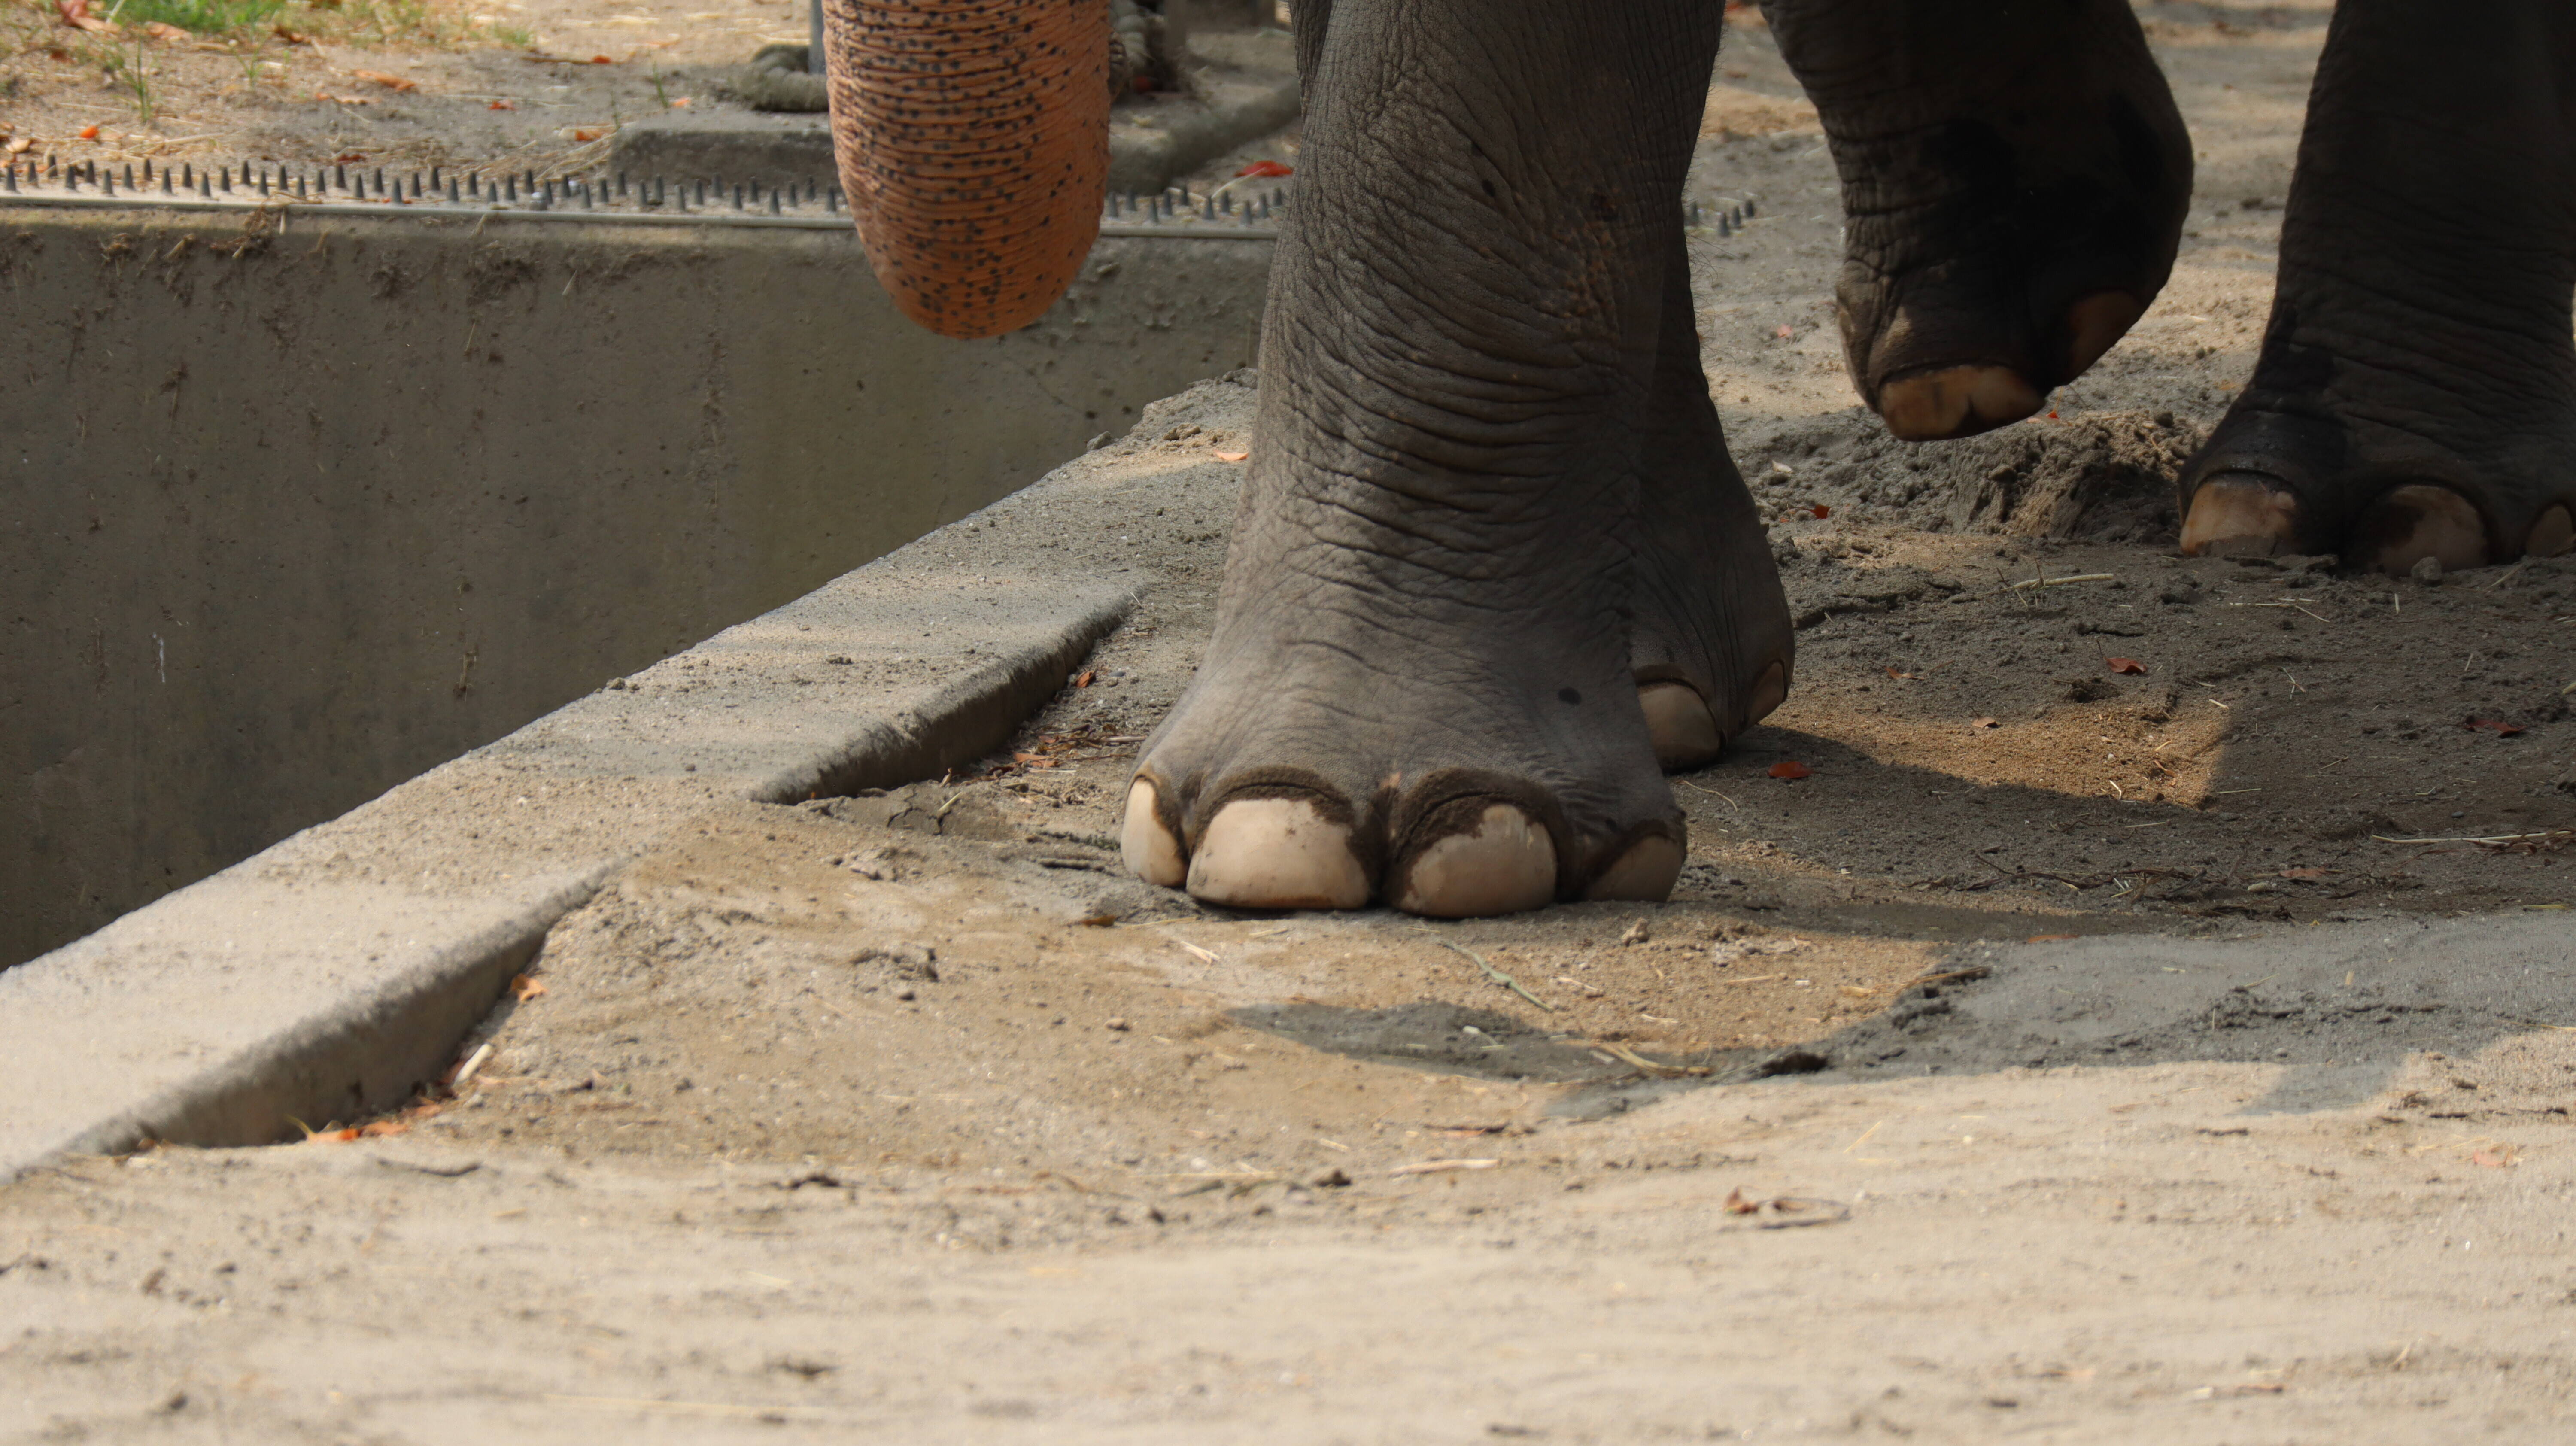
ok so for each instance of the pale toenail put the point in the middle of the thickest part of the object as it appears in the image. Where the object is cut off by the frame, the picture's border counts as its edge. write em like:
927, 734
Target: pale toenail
2095, 324
2239, 513
1955, 402
1277, 853
1677, 719
2553, 534
2418, 521
1769, 692
1152, 854
1646, 871
1504, 865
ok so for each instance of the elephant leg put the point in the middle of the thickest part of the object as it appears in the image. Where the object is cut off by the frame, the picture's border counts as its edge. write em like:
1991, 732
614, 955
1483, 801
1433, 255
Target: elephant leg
1422, 682
2015, 179
2415, 396
1711, 641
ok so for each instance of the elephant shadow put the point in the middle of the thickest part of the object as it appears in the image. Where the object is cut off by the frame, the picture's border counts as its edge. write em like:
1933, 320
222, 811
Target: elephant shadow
2338, 1008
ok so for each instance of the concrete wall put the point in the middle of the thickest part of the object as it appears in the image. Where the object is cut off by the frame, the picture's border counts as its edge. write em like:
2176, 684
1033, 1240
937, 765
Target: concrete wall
287, 517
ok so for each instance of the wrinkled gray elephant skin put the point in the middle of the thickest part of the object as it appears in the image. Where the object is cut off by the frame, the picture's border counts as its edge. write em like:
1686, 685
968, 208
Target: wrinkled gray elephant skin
1493, 569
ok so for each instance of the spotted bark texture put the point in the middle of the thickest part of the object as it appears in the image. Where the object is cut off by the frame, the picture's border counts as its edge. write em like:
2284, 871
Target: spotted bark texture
973, 141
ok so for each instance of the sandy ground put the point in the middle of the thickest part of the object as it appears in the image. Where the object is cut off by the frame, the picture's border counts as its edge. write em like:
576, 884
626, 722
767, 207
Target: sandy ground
2074, 1054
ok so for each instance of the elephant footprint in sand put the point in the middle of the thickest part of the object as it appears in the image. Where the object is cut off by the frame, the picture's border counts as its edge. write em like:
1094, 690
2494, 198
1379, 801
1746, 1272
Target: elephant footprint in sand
1493, 571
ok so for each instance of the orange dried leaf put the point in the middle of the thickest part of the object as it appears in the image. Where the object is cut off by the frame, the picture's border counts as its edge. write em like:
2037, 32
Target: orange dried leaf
89, 133
1791, 768
1903, 677
377, 1129
2048, 938
1782, 331
1736, 1204
2497, 726
2124, 665
2305, 873
1234, 456
1087, 675
2501, 1158
161, 31
1267, 168
601, 60
389, 82
589, 133
21, 145
523, 988
1820, 510
291, 36
500, 105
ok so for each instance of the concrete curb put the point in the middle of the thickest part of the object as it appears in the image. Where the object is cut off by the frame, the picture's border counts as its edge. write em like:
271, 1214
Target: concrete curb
327, 976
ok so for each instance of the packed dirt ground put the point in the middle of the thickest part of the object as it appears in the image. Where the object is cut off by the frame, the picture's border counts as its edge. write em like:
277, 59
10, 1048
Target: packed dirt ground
2080, 1047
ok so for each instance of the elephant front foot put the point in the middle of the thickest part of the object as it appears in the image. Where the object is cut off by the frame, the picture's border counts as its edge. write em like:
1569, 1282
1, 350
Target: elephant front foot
1296, 776
2014, 186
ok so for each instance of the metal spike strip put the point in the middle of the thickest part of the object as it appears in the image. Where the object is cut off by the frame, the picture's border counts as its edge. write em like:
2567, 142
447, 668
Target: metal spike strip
600, 195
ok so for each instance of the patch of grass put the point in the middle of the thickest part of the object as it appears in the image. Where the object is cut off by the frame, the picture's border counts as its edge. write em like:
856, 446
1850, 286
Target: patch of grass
205, 17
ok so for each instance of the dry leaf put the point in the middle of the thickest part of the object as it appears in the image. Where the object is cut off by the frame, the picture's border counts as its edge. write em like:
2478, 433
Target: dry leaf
1736, 1204
389, 82
2124, 665
1267, 168
589, 133
523, 988
89, 133
1820, 510
22, 145
2500, 1158
1234, 456
1985, 723
1033, 760
160, 31
2305, 873
342, 99
2049, 938
1791, 768
2497, 726
1891, 672
291, 37
1782, 331
1087, 675
377, 1129
500, 105
75, 13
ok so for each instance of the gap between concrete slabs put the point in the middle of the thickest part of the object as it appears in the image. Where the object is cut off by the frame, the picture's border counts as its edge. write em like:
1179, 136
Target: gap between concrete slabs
328, 975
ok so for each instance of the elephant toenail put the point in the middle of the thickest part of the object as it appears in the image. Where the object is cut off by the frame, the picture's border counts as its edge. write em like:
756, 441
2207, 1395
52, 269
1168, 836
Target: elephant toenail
1955, 402
2239, 513
1646, 871
1504, 865
2095, 324
1769, 692
1679, 722
2553, 534
2418, 521
1277, 853
1152, 854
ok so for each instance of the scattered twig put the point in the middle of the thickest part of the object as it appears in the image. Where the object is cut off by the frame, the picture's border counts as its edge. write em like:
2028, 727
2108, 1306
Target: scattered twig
2031, 582
473, 1062
1438, 1167
2497, 838
1497, 975
1657, 1068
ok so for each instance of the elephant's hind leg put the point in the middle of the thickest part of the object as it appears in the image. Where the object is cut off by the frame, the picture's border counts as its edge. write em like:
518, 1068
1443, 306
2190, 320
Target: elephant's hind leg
2416, 392
2015, 179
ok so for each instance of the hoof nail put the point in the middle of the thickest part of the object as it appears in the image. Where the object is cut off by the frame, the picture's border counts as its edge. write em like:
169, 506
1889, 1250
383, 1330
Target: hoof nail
1276, 853
2239, 514
1682, 727
1504, 865
1152, 854
1647, 871
1955, 402
1769, 692
2416, 522
2553, 534
2095, 324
